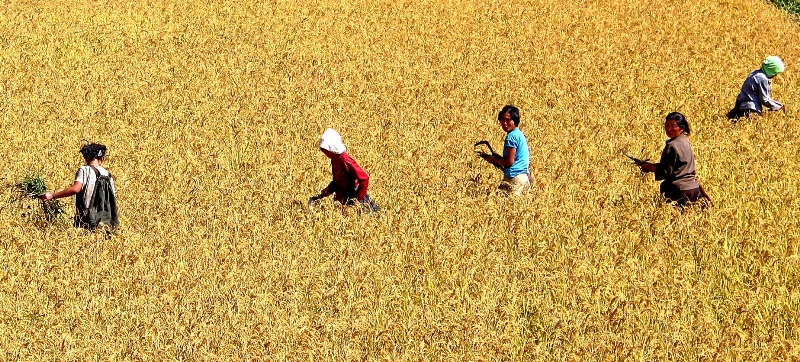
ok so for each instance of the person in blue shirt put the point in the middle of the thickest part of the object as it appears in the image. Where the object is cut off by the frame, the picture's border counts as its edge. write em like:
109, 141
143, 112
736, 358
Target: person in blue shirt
755, 94
516, 155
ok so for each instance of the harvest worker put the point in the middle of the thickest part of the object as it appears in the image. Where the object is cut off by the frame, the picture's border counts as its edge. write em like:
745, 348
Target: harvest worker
676, 167
350, 182
755, 92
96, 201
516, 156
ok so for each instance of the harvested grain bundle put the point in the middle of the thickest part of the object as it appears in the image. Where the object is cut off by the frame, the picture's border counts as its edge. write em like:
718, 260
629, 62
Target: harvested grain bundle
32, 186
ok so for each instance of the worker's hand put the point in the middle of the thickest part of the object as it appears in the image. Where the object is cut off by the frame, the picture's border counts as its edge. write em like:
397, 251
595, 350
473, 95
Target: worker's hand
647, 167
46, 196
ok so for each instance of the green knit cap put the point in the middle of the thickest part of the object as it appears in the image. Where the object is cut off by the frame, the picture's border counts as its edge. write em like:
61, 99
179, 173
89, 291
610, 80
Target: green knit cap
772, 66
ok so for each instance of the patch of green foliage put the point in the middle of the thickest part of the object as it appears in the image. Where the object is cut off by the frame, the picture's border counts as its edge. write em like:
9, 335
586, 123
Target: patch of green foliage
32, 186
792, 6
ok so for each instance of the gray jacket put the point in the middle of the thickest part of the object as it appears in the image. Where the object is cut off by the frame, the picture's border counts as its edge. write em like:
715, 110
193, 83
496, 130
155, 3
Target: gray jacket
677, 164
755, 93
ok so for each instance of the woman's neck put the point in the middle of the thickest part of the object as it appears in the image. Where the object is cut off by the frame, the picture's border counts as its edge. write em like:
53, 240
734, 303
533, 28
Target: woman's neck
94, 162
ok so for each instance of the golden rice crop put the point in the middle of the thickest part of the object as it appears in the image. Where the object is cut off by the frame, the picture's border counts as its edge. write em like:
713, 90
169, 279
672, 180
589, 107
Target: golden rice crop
212, 114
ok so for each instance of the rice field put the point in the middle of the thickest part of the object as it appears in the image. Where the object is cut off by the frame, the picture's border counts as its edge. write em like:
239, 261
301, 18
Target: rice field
212, 114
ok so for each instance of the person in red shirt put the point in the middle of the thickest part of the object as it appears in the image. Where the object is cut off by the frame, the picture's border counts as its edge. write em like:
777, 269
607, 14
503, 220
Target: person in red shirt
350, 182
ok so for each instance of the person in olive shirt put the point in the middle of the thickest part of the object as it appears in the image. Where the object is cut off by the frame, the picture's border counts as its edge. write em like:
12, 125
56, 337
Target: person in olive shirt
676, 169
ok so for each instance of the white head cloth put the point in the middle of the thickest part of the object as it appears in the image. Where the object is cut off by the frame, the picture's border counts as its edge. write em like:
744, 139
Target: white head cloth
332, 141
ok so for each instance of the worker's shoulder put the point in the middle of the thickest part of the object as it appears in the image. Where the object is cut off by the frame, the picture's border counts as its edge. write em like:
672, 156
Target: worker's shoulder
681, 144
758, 75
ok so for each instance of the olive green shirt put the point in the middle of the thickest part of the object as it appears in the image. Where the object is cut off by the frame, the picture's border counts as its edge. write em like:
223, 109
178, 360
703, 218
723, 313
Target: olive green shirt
677, 164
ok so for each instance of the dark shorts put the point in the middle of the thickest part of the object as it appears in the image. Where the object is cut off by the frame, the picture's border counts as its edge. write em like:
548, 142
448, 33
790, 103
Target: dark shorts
79, 223
736, 113
368, 203
682, 197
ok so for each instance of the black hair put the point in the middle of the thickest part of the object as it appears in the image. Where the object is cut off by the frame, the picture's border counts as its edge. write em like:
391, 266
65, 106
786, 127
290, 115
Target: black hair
512, 111
680, 120
93, 151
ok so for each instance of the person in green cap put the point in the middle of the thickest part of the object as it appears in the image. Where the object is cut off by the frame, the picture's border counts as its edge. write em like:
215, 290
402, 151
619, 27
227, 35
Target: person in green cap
755, 92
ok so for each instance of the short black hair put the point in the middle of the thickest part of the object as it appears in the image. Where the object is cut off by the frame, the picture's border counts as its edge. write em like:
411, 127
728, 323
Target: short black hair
512, 111
680, 120
94, 151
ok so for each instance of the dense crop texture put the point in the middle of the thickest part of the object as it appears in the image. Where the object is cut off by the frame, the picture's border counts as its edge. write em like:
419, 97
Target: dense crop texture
212, 114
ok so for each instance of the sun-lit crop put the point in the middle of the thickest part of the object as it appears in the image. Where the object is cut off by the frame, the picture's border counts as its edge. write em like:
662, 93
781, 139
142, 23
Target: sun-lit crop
212, 114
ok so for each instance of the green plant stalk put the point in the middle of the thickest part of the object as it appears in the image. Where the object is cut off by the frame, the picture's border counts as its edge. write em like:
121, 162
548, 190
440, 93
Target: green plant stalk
792, 6
33, 185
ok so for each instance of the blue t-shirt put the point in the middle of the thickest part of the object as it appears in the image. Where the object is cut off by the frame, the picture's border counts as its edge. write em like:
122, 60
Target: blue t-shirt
515, 139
